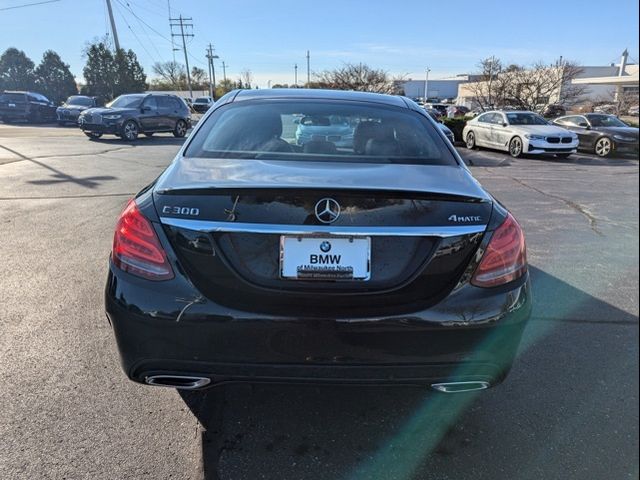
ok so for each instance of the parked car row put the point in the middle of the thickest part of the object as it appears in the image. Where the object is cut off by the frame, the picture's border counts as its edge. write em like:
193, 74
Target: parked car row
127, 116
527, 133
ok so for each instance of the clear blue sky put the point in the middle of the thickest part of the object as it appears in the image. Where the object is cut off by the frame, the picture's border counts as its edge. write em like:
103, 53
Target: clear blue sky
269, 37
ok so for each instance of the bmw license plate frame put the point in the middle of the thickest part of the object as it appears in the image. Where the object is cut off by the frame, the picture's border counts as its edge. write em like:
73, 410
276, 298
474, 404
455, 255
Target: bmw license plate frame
296, 259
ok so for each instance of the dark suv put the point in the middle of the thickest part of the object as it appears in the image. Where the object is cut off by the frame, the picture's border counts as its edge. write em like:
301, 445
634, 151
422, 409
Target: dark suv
28, 106
129, 115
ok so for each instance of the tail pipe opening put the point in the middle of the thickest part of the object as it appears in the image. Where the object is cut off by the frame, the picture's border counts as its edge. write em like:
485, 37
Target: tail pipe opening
459, 387
177, 381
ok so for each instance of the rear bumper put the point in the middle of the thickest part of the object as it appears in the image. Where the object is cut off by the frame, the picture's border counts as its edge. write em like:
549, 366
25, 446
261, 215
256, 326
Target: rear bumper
167, 329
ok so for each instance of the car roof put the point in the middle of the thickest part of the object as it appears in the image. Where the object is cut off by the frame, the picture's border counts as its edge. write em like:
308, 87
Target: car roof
511, 111
320, 94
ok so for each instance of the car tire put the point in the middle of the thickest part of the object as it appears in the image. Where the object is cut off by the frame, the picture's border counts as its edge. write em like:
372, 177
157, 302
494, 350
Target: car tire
180, 129
603, 147
93, 135
130, 130
515, 147
470, 141
148, 134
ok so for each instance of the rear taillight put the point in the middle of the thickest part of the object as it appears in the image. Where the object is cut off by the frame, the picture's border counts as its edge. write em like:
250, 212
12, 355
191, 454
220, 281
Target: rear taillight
505, 258
136, 247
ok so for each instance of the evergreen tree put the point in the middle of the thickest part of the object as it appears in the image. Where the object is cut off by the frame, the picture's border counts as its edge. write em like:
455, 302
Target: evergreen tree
54, 79
16, 70
99, 72
108, 75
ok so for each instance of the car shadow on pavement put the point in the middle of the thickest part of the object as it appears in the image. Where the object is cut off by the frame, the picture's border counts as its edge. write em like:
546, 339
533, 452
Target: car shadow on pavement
591, 160
142, 141
574, 384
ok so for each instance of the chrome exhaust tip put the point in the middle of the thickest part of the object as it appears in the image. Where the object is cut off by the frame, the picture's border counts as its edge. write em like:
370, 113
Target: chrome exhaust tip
177, 381
459, 387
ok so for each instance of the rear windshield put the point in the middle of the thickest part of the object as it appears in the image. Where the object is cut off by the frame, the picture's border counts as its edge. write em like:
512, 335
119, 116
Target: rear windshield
320, 131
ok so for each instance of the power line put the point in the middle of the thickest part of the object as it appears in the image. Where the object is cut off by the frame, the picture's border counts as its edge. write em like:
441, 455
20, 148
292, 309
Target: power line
29, 4
142, 28
145, 23
136, 36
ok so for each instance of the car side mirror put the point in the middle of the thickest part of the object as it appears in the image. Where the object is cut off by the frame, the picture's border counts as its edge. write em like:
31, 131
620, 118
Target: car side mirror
145, 108
584, 125
505, 124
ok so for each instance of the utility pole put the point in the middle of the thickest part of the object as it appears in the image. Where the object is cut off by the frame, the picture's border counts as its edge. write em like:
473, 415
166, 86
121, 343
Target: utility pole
224, 72
308, 70
212, 72
182, 23
295, 67
113, 26
426, 86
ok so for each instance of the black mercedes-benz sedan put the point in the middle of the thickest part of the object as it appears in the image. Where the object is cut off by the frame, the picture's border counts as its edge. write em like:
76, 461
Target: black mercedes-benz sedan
253, 258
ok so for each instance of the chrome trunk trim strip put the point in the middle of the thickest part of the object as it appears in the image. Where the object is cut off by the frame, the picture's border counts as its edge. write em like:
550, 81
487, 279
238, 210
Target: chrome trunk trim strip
370, 231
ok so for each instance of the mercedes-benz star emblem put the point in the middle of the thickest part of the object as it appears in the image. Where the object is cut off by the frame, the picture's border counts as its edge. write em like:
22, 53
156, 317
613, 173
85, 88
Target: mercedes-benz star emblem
325, 246
327, 210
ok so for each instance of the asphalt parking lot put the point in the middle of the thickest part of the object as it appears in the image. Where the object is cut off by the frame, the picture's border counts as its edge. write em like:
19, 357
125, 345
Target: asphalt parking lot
569, 408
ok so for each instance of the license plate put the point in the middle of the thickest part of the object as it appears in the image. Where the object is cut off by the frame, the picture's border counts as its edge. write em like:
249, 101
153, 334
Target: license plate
325, 258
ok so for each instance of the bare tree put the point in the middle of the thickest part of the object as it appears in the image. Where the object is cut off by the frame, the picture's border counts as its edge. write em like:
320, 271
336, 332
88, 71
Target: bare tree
618, 102
200, 78
358, 77
541, 85
246, 78
486, 90
171, 73
532, 88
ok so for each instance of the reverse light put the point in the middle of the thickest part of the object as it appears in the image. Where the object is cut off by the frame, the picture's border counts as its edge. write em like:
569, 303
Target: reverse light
505, 258
136, 247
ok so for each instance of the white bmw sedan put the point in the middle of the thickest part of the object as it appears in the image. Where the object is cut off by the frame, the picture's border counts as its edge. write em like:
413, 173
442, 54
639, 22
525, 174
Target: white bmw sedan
519, 132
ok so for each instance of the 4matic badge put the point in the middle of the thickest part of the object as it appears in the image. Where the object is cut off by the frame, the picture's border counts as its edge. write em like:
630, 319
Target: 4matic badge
458, 218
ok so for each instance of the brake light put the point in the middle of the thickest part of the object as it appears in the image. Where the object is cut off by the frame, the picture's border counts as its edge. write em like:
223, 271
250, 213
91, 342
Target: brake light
136, 247
505, 258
